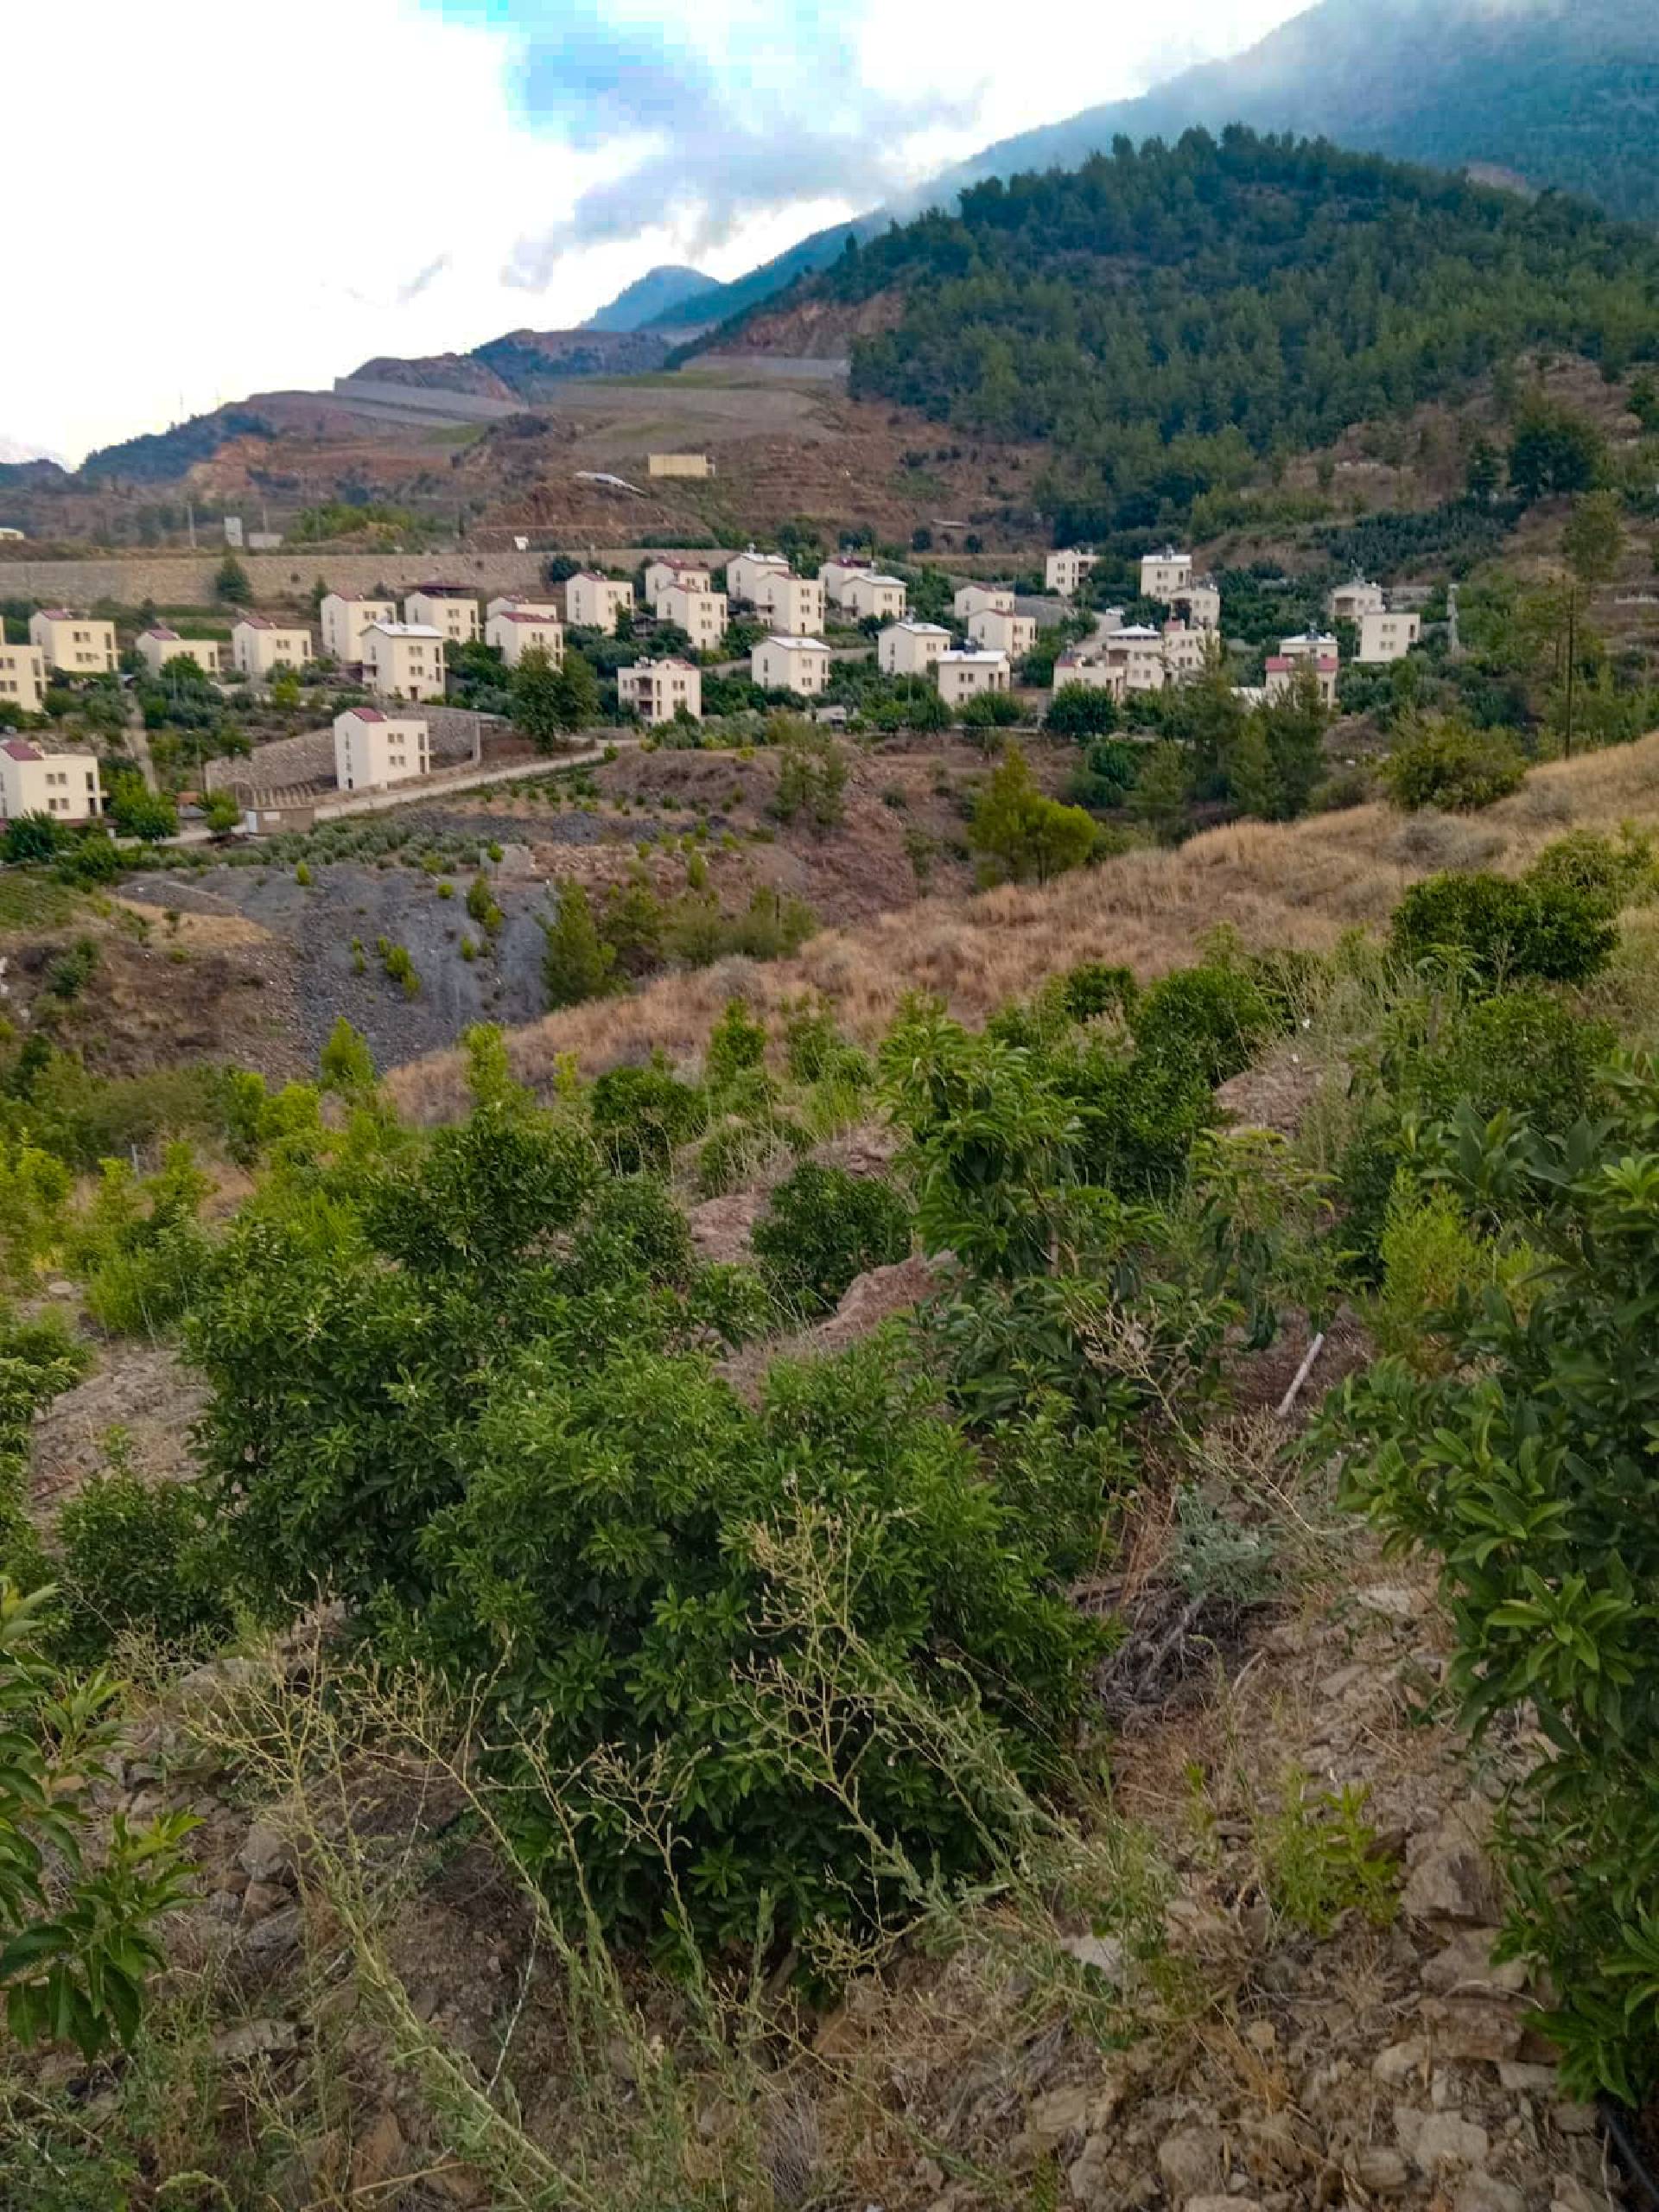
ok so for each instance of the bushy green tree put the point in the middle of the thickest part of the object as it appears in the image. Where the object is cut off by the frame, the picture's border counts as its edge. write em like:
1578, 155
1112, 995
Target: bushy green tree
1081, 710
1445, 762
230, 584
577, 963
823, 1227
1024, 834
1504, 930
1526, 1467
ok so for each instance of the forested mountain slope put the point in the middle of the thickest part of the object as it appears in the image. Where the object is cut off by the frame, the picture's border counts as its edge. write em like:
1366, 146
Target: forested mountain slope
1566, 92
1165, 316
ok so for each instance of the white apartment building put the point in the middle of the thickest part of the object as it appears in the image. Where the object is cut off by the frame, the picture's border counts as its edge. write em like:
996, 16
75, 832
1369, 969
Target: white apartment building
1013, 634
451, 609
404, 660
962, 674
794, 603
746, 571
1353, 601
515, 632
1199, 605
700, 615
1283, 669
973, 598
1091, 670
1063, 572
1138, 650
1384, 637
74, 643
836, 574
871, 596
62, 785
1308, 644
784, 663
373, 748
515, 603
1186, 652
664, 572
593, 602
911, 648
345, 617
1166, 575
656, 689
159, 645
22, 675
257, 644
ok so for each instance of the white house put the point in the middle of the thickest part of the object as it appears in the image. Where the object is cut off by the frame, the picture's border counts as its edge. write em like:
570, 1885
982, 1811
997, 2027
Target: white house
1091, 670
700, 615
1138, 650
1199, 605
963, 673
373, 748
345, 617
404, 660
23, 675
973, 598
451, 609
666, 570
513, 602
1013, 634
74, 644
159, 645
1283, 669
1063, 572
746, 571
836, 572
1165, 575
785, 664
794, 603
1308, 644
594, 602
1186, 652
910, 647
1352, 602
62, 785
1384, 637
870, 596
656, 689
259, 644
515, 632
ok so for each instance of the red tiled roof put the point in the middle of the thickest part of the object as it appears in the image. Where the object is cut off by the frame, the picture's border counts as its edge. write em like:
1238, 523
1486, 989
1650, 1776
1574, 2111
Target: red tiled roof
366, 714
516, 614
20, 749
160, 630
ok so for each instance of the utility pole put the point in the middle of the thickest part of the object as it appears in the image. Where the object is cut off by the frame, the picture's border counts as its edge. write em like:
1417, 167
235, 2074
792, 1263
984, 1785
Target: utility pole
190, 521
1572, 665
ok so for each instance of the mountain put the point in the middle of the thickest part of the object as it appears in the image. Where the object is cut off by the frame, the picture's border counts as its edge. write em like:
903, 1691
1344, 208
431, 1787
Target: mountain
521, 364
1165, 317
1561, 93
16, 452
1564, 91
654, 297
722, 301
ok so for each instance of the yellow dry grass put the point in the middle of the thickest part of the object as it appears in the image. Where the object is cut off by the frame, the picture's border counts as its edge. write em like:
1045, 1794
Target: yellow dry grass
1299, 884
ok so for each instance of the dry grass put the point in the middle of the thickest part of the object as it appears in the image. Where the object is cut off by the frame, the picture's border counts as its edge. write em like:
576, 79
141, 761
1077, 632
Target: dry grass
1299, 884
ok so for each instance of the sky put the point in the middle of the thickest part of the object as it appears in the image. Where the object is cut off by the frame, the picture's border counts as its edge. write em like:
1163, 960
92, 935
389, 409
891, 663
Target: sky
234, 203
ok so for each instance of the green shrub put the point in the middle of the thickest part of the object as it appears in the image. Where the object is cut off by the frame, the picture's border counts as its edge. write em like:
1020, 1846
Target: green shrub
821, 1228
576, 963
1527, 1469
138, 1555
138, 1248
1093, 987
1453, 766
1213, 1020
1501, 930
635, 1227
1612, 876
641, 1115
737, 1044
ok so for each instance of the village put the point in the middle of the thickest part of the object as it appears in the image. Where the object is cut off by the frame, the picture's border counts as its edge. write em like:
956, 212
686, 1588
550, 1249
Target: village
398, 656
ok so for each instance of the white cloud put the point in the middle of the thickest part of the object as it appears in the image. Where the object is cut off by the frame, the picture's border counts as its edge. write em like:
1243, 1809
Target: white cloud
375, 176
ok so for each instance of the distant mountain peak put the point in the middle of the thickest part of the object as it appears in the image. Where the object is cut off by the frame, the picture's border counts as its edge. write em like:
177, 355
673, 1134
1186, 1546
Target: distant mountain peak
651, 298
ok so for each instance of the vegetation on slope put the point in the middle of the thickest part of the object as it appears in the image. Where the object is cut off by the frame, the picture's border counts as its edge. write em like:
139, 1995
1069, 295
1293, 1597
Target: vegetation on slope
1165, 317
